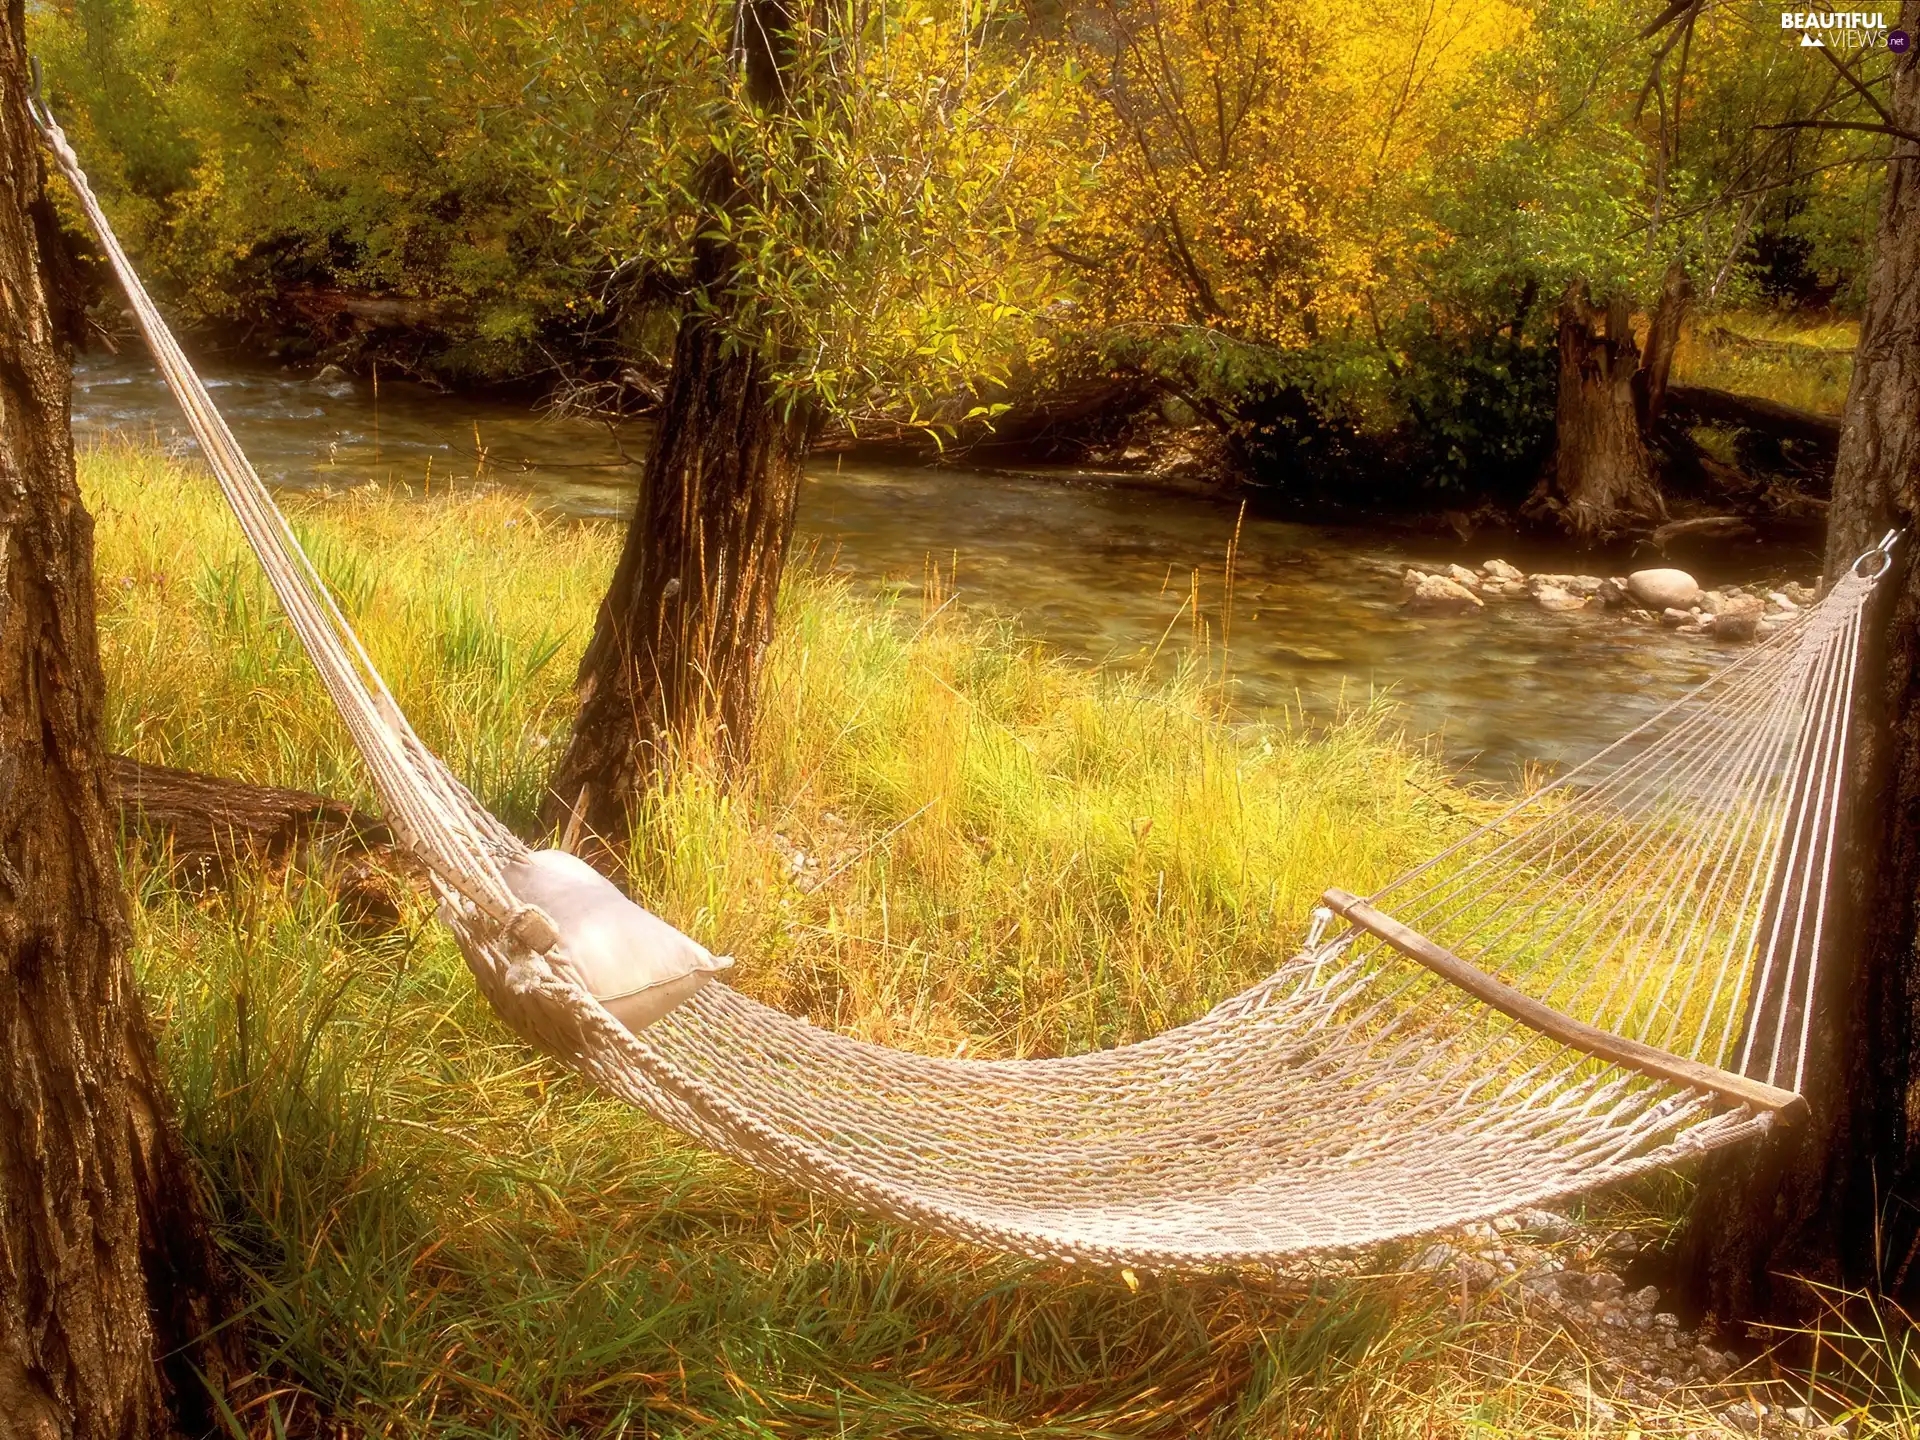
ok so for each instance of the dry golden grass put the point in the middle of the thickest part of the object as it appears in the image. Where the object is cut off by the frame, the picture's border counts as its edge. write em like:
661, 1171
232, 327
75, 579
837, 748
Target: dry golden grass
1797, 360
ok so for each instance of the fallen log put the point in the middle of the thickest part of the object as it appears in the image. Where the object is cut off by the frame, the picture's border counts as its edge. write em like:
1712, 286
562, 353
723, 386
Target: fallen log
1720, 335
208, 826
329, 308
1708, 406
208, 815
1701, 527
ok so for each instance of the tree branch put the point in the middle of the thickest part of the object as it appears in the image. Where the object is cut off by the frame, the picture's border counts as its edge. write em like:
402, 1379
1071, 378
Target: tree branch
1846, 73
1863, 127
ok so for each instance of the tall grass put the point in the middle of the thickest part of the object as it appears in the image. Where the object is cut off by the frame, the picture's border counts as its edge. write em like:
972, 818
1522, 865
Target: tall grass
950, 840
1791, 358
949, 835
1863, 1365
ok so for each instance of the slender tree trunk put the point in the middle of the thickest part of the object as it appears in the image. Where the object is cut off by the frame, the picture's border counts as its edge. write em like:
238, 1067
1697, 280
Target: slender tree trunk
104, 1263
1663, 338
1834, 1200
674, 663
673, 667
1602, 470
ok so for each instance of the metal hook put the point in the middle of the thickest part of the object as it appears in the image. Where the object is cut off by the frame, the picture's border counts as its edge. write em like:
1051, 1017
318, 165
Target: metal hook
1883, 552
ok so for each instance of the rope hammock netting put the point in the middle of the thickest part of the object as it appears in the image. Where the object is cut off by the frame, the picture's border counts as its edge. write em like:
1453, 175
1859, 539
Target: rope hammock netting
1614, 975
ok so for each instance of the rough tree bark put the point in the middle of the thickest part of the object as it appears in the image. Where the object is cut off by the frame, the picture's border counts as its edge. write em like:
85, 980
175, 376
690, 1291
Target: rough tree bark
213, 821
1602, 469
1834, 1200
674, 663
104, 1263
1663, 338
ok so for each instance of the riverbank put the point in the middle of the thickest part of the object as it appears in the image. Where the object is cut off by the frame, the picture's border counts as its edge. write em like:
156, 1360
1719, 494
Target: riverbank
1309, 622
953, 841
1122, 428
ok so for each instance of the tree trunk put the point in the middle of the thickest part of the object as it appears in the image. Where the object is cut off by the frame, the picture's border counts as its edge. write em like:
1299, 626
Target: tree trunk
673, 669
1663, 338
1601, 466
104, 1263
674, 663
1834, 1200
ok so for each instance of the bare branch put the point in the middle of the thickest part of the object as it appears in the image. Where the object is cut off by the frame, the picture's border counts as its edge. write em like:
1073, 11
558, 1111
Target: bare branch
1846, 73
1667, 16
1893, 130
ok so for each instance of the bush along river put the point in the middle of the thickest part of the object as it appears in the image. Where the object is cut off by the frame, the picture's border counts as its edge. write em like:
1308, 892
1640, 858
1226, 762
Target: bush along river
1508, 658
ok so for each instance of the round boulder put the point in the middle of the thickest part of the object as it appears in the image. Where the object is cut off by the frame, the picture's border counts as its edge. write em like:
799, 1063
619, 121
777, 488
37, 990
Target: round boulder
1664, 589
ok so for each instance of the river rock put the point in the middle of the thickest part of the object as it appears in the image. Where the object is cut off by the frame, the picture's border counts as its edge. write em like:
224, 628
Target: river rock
1581, 585
1501, 570
1673, 617
1460, 575
1611, 593
1546, 1223
1664, 589
1437, 592
1597, 1408
1552, 597
1737, 619
1799, 594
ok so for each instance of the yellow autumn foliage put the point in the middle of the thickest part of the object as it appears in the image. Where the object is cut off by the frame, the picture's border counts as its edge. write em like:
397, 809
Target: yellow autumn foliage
1259, 162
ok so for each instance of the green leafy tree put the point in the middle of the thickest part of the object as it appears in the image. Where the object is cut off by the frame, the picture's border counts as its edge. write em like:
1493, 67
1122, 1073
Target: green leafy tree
832, 211
848, 230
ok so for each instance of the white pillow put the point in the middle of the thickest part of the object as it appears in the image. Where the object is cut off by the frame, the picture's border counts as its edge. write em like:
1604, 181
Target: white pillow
633, 962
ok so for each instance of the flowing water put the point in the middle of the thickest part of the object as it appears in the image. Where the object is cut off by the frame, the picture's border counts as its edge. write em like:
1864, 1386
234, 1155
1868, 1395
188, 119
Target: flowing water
1098, 567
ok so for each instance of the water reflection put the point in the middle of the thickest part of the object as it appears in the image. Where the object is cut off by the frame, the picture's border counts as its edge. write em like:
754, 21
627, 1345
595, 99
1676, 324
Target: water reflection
1099, 568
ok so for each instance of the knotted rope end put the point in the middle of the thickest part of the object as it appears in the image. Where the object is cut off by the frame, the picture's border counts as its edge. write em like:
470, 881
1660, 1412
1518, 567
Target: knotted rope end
533, 929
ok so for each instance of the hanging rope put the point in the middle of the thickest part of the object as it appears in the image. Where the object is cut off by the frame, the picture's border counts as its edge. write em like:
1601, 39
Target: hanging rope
1616, 974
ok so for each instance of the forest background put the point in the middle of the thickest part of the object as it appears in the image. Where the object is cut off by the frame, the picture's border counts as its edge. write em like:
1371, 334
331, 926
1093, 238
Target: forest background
1335, 240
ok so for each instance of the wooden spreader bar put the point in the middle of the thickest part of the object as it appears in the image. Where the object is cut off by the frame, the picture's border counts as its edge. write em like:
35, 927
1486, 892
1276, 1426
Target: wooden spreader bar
1603, 1044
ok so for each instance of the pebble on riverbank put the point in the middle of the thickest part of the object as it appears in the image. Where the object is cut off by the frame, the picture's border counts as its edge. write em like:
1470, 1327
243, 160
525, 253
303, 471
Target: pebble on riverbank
1672, 598
1640, 1370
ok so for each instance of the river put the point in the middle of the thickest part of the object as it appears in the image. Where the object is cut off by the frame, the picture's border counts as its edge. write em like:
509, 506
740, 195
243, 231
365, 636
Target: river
1097, 566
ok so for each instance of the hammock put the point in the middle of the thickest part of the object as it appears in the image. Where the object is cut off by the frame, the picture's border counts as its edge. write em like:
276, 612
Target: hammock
1614, 975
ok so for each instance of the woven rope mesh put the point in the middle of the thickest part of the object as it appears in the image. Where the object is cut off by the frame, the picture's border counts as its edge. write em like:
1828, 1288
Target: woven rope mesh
1353, 1096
